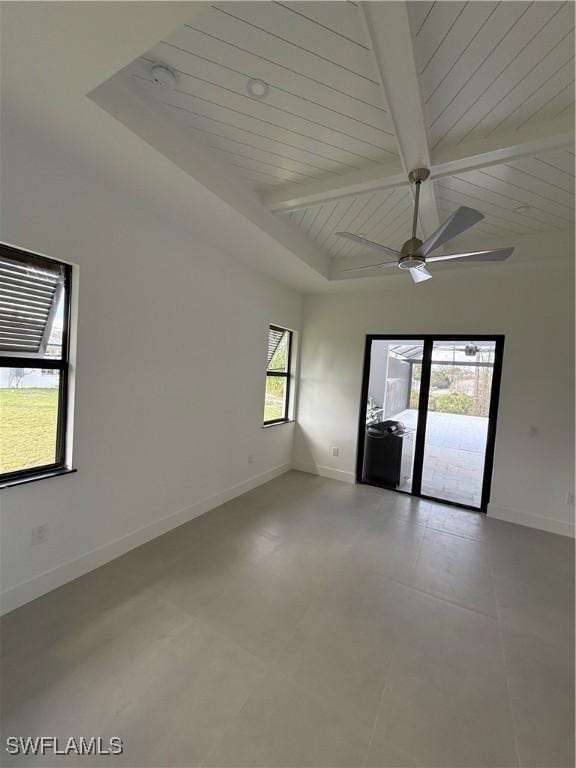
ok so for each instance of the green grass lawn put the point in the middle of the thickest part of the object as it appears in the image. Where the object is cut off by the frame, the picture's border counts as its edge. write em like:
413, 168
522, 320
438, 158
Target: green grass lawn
274, 403
28, 419
273, 408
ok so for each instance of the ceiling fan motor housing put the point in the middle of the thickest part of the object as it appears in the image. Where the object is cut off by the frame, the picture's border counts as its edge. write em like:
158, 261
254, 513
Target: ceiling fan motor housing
409, 259
418, 175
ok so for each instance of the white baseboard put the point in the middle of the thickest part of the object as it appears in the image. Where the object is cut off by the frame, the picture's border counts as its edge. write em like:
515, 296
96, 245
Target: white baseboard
22, 593
531, 521
333, 474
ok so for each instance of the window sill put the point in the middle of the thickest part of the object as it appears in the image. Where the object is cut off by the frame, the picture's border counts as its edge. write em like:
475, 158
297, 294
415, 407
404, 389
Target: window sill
278, 423
33, 478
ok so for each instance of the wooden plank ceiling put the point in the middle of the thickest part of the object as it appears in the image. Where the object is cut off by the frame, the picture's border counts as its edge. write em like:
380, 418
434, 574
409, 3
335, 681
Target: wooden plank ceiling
325, 111
485, 69
532, 194
485, 66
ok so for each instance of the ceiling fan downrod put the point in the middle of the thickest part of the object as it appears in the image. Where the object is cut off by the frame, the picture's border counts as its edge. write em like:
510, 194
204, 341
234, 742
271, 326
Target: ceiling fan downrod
410, 259
417, 177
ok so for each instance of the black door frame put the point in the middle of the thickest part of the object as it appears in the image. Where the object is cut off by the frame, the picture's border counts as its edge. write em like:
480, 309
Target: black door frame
428, 340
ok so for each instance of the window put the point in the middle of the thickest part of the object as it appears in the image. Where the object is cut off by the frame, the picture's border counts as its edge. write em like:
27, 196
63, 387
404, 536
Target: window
34, 341
277, 404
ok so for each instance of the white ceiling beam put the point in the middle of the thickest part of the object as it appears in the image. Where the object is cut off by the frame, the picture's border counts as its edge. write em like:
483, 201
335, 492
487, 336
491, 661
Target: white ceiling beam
503, 148
374, 177
388, 30
450, 161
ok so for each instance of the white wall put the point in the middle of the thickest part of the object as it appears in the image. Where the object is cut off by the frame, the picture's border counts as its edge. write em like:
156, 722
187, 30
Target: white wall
170, 386
172, 340
530, 300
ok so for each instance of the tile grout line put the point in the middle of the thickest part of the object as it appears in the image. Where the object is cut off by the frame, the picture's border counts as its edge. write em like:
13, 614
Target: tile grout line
377, 715
505, 664
445, 600
508, 691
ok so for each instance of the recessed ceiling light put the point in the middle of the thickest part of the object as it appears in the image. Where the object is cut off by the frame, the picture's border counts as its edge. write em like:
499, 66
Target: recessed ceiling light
523, 209
257, 88
163, 77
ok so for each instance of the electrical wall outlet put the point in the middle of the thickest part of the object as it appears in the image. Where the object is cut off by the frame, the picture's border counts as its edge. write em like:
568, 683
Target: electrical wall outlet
335, 451
250, 458
39, 534
570, 499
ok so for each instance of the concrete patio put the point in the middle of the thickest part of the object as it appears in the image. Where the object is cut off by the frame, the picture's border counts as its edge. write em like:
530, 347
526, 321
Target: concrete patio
454, 455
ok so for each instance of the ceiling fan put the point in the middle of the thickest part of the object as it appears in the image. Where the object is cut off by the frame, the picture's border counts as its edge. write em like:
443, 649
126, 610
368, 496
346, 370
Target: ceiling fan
413, 256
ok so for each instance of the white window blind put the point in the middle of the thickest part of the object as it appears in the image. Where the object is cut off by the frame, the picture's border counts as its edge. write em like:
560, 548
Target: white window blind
29, 296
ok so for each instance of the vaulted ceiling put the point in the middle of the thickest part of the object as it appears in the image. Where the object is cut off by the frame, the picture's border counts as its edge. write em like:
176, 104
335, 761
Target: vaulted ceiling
325, 113
357, 95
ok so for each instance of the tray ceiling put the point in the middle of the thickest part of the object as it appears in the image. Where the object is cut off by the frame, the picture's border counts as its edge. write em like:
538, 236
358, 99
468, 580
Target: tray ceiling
325, 112
480, 92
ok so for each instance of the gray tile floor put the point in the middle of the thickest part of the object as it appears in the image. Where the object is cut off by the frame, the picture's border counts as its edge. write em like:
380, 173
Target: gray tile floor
308, 623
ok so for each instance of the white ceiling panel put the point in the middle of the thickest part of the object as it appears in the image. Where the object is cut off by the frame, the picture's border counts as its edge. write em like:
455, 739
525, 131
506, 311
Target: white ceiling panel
239, 109
264, 152
230, 36
486, 66
453, 193
305, 154
286, 76
545, 184
299, 30
325, 111
340, 18
382, 216
555, 167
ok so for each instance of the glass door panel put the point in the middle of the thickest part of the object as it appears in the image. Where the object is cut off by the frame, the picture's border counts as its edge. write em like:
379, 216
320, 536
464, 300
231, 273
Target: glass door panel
457, 420
392, 413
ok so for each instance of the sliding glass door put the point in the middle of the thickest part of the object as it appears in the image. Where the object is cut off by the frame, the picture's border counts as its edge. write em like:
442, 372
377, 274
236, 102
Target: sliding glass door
457, 420
391, 414
428, 416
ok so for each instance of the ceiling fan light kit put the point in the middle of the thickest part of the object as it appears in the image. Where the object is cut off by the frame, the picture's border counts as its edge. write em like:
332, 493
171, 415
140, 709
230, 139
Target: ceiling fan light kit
413, 255
409, 258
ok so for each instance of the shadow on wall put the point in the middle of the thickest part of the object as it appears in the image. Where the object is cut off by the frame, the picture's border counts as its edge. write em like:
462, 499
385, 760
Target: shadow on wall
317, 458
306, 459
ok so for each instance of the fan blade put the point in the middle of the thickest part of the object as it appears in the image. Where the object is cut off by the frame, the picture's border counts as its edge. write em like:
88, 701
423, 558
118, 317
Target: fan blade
371, 266
499, 254
459, 222
420, 274
368, 243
